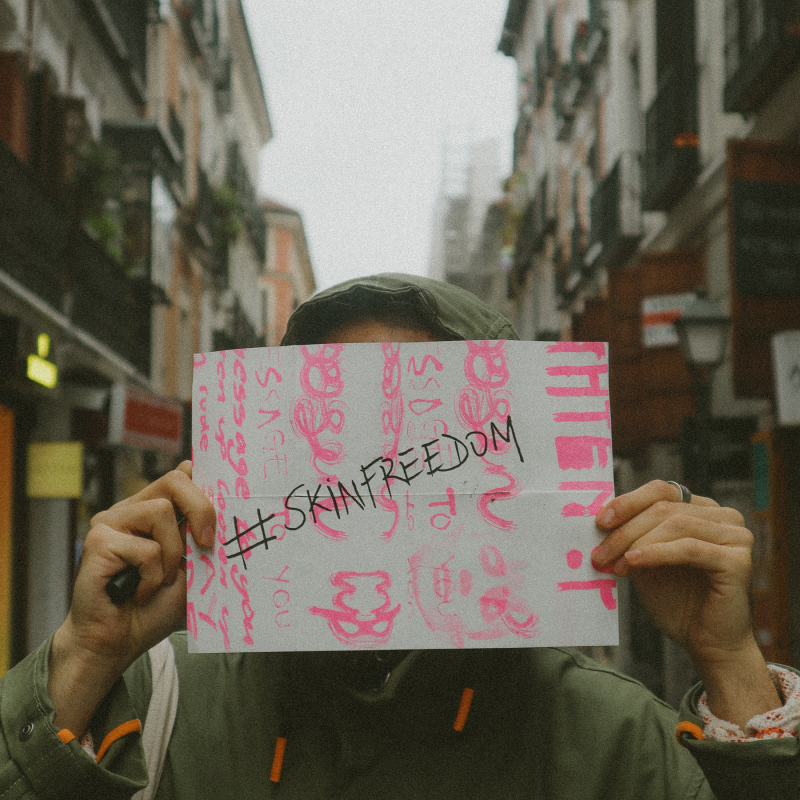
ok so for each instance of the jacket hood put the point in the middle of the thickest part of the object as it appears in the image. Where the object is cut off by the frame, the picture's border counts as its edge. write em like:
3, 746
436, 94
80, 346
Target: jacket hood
450, 312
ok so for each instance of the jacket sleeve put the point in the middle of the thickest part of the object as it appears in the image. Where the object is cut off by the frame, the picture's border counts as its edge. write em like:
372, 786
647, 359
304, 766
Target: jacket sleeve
36, 763
768, 769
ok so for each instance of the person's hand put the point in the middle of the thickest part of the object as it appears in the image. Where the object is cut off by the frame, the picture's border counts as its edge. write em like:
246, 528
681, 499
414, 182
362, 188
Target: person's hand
99, 640
690, 564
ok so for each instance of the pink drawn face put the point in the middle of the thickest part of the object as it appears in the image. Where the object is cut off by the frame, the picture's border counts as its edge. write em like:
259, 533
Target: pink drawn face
362, 616
472, 593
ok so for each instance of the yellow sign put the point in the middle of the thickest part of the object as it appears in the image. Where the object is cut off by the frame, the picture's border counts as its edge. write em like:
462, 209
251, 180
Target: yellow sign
55, 469
42, 371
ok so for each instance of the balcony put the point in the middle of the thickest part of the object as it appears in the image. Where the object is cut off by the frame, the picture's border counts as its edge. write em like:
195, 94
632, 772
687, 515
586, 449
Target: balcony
254, 220
616, 215
536, 222
59, 263
564, 107
671, 161
760, 50
596, 47
238, 330
544, 217
222, 85
580, 66
522, 134
121, 28
105, 304
201, 26
576, 268
175, 128
204, 210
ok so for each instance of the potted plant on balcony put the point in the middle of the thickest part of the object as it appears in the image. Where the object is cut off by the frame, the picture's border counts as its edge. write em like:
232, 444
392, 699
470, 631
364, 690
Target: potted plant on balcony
94, 192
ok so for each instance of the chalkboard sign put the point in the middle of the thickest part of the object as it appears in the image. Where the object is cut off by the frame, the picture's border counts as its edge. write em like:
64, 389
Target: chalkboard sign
766, 238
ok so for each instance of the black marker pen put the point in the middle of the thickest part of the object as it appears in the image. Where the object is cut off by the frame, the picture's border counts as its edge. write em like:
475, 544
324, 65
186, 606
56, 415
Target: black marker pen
124, 584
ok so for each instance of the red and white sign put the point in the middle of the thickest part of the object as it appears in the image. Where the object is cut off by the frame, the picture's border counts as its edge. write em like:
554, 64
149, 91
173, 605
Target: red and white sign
658, 316
142, 419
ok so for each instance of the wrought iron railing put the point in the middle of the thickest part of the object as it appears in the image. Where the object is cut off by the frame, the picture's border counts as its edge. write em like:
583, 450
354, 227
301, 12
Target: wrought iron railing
130, 19
254, 219
671, 159
616, 217
33, 231
762, 45
55, 259
175, 126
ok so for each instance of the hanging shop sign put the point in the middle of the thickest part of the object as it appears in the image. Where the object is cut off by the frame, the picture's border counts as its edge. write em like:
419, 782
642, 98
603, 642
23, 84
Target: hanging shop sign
658, 317
766, 238
786, 364
142, 419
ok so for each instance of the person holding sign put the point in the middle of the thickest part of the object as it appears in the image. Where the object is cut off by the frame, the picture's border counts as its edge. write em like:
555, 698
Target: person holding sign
522, 722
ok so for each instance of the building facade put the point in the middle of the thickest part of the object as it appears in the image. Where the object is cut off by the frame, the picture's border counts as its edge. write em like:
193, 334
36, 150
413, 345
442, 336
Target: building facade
288, 279
655, 157
131, 237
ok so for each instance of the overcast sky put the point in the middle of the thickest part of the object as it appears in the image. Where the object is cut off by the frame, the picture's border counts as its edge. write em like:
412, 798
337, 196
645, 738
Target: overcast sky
360, 94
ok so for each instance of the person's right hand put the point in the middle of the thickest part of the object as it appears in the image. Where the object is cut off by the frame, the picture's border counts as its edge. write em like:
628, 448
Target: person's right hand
99, 640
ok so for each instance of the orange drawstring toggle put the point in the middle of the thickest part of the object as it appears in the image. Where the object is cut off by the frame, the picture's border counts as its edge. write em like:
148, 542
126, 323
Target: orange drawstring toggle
277, 760
463, 709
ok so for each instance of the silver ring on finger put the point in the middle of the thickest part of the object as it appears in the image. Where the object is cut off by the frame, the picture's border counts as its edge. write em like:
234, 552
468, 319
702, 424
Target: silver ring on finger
686, 495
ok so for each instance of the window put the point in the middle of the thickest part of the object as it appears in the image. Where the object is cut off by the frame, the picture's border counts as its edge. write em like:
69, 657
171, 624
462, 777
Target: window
745, 27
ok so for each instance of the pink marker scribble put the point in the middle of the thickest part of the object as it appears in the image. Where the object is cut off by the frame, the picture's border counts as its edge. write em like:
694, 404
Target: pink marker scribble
585, 416
247, 610
189, 567
208, 617
319, 411
191, 620
511, 489
444, 519
421, 405
210, 572
204, 426
392, 423
223, 626
221, 377
604, 490
485, 402
591, 371
412, 365
598, 348
356, 627
577, 452
487, 604
604, 585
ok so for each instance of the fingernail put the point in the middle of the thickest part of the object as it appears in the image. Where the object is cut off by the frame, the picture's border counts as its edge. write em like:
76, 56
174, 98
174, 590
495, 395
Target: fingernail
608, 569
600, 554
605, 517
633, 555
207, 537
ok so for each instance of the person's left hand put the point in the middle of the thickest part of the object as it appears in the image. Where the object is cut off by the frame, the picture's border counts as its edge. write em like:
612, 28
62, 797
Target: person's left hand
689, 562
690, 565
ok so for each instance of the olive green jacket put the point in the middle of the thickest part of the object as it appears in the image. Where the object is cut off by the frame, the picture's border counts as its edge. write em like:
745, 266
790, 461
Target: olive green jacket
544, 723
548, 724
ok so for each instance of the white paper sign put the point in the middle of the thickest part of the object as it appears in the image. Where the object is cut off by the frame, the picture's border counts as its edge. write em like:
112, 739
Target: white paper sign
402, 496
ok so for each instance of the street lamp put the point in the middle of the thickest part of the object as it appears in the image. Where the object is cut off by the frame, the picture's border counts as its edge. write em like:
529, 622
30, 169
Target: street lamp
703, 335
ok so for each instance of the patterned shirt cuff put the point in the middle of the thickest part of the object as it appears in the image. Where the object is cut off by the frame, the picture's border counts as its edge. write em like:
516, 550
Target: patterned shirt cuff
87, 743
776, 724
